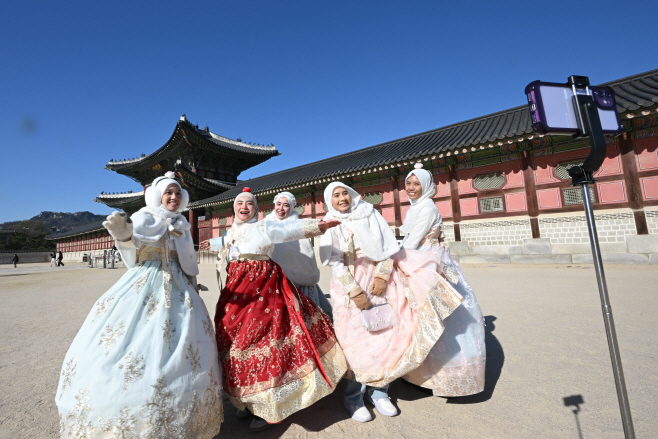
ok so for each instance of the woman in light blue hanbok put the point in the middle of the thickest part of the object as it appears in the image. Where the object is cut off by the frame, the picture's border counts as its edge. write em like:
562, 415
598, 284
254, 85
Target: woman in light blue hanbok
456, 364
144, 363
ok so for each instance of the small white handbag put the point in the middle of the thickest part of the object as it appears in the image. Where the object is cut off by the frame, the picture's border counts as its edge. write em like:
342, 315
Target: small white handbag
378, 317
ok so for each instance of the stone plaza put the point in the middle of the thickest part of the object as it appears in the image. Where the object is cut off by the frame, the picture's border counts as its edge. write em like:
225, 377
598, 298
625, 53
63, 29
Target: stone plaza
545, 342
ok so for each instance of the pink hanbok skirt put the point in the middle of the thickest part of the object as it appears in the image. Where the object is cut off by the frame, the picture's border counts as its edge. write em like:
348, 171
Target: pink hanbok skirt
421, 300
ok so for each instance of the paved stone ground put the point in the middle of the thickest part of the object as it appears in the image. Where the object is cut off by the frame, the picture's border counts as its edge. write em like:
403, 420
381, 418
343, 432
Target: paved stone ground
545, 341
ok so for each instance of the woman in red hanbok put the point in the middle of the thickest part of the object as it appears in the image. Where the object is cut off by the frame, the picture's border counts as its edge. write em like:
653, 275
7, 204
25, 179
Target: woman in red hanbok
277, 348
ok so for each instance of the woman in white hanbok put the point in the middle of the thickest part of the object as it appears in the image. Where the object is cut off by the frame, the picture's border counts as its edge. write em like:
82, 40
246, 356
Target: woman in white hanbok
297, 258
144, 363
456, 364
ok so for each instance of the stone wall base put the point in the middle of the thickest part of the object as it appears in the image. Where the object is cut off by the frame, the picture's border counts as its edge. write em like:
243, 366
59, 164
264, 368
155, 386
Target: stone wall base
635, 249
25, 257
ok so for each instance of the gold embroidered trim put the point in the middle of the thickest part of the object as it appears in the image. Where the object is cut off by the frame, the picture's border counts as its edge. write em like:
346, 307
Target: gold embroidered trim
452, 381
383, 269
195, 360
110, 335
441, 301
277, 403
102, 307
311, 228
434, 237
131, 370
150, 253
151, 304
348, 283
252, 257
168, 331
68, 373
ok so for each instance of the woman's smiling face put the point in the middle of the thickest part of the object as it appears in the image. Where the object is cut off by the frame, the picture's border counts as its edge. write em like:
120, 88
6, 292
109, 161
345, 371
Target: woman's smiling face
341, 200
413, 187
244, 209
172, 197
282, 208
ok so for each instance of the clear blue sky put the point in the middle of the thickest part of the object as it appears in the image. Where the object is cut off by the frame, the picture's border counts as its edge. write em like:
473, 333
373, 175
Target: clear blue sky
86, 82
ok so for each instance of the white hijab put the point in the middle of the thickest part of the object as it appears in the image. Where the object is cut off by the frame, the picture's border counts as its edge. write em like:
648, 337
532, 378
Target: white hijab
296, 258
150, 223
376, 239
247, 196
288, 196
429, 189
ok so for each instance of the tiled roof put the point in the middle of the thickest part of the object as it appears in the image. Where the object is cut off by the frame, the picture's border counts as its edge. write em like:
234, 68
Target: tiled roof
225, 144
87, 228
634, 92
119, 200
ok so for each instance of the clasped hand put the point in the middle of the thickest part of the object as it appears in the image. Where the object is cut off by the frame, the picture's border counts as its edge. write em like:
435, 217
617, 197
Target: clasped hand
378, 287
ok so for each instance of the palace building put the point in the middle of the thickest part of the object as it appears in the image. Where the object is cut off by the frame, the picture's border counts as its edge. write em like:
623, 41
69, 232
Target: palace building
503, 191
205, 163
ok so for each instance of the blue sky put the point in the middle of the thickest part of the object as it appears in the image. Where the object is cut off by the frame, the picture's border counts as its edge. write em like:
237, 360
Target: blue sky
86, 82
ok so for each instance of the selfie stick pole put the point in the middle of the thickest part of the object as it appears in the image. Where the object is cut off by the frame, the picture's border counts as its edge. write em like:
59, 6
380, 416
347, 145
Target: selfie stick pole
590, 124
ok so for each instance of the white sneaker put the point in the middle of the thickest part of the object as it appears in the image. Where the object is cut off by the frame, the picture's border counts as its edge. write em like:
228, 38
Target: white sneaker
359, 413
384, 406
258, 424
242, 414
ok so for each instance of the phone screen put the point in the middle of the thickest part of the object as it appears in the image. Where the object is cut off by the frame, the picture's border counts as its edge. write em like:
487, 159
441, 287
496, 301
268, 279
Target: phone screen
558, 106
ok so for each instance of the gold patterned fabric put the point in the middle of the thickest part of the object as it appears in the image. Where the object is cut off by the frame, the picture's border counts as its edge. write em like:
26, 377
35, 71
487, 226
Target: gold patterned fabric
377, 359
383, 269
277, 348
434, 237
139, 369
453, 381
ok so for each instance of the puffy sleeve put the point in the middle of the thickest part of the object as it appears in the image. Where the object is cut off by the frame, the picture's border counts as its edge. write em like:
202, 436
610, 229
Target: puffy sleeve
128, 250
293, 230
422, 223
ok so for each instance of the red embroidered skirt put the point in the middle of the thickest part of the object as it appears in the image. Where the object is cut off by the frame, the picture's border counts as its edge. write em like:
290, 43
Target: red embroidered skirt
278, 350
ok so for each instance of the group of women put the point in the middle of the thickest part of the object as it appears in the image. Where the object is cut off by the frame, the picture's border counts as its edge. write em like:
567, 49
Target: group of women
149, 363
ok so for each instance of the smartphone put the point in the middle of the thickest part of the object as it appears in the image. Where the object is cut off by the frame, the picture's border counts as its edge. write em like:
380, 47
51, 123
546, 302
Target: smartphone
552, 108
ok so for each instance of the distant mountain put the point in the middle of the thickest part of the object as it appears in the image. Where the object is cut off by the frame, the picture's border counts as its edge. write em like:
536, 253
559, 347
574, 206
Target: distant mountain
57, 222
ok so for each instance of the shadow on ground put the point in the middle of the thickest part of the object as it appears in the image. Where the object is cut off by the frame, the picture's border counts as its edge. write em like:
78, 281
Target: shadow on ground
320, 416
329, 410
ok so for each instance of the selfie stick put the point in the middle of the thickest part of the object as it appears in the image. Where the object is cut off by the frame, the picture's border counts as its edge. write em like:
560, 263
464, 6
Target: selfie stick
589, 124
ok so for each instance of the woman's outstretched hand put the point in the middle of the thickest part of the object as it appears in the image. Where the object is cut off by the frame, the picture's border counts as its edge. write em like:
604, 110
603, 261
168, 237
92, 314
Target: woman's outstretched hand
204, 245
328, 224
119, 226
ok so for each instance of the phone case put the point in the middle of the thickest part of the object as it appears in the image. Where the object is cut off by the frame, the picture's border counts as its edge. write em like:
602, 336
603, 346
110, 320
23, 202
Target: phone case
561, 120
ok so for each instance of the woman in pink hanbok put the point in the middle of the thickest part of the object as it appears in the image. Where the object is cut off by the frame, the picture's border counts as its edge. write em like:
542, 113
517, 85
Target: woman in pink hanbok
456, 364
372, 277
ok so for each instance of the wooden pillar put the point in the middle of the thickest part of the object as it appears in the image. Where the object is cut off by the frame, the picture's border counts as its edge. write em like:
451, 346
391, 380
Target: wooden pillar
194, 227
632, 180
313, 213
530, 193
395, 184
453, 180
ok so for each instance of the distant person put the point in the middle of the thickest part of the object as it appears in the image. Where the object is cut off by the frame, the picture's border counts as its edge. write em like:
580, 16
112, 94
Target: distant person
53, 261
14, 260
59, 259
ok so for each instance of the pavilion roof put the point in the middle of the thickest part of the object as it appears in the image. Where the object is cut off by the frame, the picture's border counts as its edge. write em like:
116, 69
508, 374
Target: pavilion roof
634, 92
120, 201
185, 136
